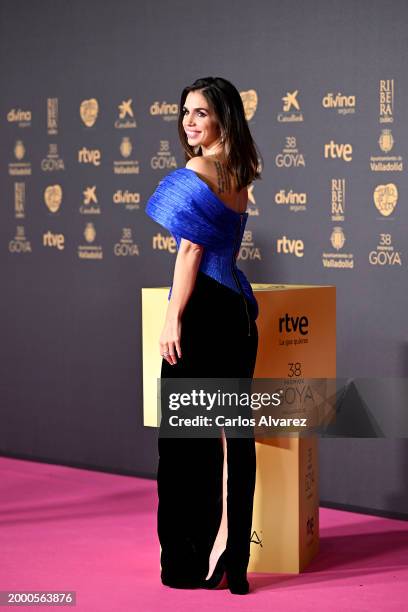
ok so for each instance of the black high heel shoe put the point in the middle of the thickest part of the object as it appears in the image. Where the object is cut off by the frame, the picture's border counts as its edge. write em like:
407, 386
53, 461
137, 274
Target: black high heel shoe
238, 583
218, 574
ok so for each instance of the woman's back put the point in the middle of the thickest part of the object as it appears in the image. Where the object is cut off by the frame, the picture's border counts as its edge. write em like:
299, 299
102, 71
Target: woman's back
214, 173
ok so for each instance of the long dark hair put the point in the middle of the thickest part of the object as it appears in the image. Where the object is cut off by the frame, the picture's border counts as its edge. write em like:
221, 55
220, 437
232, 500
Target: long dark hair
243, 159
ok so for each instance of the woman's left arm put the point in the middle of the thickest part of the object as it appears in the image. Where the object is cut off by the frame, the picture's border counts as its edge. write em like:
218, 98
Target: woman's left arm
185, 272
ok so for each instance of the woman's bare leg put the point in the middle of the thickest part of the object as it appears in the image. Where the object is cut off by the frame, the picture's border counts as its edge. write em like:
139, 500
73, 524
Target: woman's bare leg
220, 541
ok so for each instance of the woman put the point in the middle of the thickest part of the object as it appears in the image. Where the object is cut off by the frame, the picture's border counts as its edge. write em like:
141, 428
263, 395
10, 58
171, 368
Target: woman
206, 486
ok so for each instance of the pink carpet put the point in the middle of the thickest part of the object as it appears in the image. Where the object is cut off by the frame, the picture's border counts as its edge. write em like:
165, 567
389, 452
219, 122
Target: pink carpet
64, 528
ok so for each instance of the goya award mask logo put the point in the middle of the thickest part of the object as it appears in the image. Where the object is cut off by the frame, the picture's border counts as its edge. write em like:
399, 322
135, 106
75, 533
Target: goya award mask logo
385, 198
250, 101
53, 197
89, 111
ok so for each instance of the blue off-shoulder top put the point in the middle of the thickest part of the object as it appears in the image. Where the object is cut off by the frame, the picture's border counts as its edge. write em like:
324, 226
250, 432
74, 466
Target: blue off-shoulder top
188, 208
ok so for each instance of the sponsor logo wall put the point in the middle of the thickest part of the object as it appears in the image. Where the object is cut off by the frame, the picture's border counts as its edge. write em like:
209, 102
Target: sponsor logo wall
88, 128
112, 170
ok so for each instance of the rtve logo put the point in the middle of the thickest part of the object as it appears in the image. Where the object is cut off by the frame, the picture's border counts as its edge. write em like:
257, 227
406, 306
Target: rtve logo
290, 324
164, 243
340, 151
89, 156
287, 245
54, 240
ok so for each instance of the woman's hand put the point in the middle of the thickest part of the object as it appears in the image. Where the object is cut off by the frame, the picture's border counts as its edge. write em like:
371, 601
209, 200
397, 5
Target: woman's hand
170, 340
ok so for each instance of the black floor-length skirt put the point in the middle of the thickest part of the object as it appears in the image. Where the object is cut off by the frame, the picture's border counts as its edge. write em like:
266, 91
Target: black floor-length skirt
214, 343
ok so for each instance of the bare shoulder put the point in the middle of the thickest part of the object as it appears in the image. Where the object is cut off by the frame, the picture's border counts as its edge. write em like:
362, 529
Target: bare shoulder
216, 176
205, 169
200, 164
212, 172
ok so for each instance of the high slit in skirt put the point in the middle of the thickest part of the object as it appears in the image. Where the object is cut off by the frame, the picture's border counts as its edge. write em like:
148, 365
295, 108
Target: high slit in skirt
215, 343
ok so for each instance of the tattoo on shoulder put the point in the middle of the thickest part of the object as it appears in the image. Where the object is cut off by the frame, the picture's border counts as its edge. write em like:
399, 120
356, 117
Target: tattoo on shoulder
223, 178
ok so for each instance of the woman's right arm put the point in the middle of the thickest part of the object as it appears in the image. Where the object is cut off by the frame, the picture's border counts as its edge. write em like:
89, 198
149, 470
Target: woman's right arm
185, 272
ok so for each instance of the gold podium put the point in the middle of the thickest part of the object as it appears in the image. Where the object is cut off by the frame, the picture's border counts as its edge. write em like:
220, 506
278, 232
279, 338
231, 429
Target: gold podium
297, 342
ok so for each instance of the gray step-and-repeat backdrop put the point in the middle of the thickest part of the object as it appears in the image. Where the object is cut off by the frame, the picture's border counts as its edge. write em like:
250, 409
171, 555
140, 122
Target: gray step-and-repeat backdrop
89, 100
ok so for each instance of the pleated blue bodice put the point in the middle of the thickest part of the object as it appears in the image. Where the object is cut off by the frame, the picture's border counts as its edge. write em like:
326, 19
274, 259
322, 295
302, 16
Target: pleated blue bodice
188, 208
